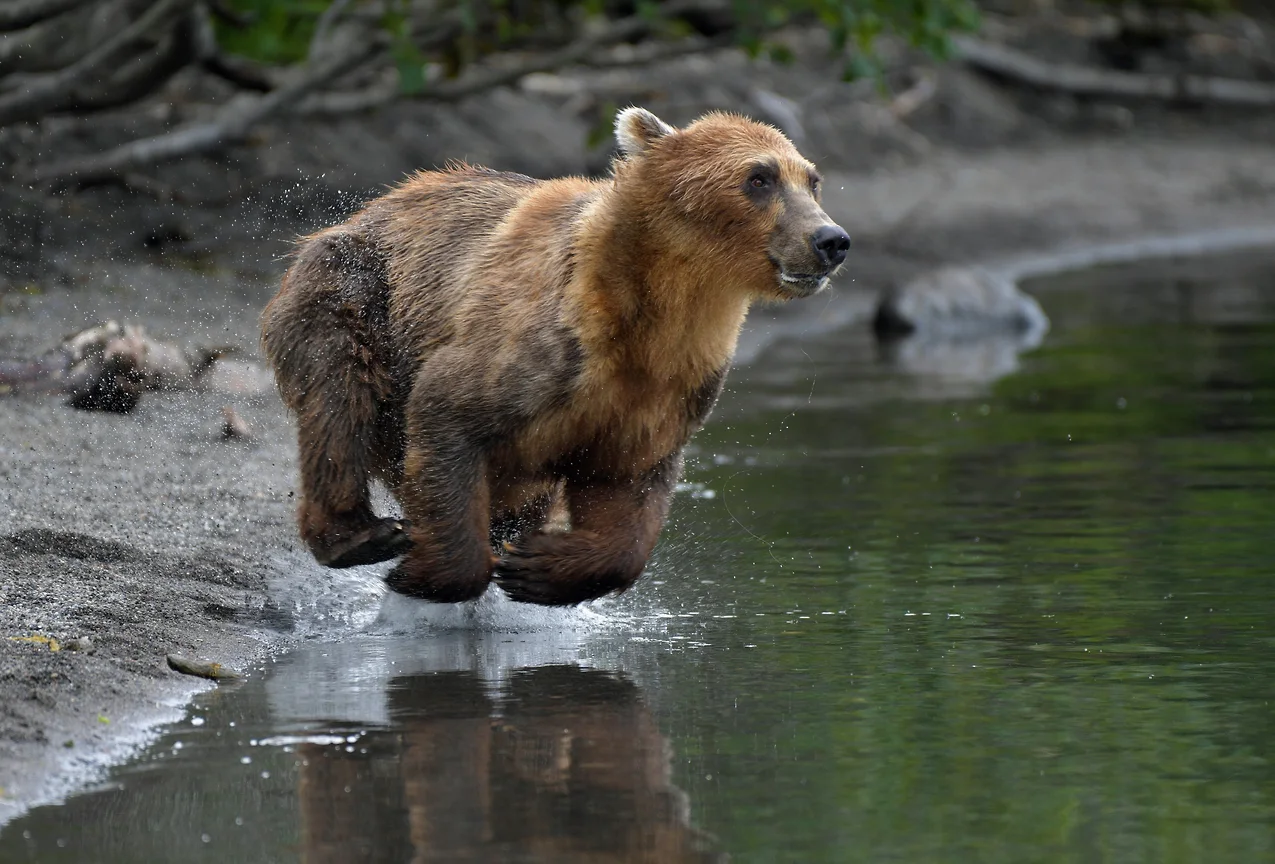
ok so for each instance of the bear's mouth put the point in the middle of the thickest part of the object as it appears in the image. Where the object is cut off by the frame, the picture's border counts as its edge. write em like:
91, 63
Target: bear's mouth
803, 283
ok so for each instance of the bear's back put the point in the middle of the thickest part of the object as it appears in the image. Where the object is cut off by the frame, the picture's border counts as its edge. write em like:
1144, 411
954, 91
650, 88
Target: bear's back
435, 224
431, 231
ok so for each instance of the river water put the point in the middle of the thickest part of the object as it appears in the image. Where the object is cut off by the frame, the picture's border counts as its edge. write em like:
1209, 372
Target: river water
951, 604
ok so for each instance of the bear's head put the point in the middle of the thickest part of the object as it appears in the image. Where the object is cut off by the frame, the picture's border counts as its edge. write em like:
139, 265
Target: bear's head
735, 195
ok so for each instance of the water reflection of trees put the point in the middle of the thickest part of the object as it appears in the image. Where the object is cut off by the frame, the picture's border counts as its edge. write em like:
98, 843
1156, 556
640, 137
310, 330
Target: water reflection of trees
563, 765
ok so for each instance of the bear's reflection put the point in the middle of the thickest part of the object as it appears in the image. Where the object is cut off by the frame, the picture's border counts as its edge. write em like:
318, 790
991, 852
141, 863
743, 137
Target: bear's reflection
564, 765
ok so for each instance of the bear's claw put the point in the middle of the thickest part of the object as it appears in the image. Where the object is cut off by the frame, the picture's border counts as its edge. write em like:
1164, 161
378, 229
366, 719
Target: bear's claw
529, 572
382, 540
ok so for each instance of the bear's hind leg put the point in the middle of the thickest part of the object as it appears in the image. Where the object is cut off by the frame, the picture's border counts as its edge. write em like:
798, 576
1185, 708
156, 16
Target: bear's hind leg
338, 460
614, 528
323, 335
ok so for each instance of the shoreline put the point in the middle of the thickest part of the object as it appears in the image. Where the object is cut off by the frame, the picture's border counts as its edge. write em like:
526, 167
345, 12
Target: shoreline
150, 535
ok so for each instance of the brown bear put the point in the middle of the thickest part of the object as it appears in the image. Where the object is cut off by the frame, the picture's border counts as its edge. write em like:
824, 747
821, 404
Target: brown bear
523, 360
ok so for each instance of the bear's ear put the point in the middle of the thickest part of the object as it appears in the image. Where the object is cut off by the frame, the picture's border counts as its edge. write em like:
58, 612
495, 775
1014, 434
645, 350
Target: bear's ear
636, 129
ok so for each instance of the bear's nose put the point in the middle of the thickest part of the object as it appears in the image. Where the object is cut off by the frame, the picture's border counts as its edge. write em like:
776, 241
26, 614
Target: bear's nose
830, 244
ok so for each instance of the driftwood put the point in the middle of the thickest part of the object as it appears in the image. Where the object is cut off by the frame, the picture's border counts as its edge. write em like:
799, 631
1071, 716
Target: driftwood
236, 120
1006, 62
231, 125
17, 14
107, 368
57, 91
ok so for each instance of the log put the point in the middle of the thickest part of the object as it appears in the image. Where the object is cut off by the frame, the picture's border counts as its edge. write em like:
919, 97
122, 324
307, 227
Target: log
232, 124
1016, 65
18, 14
52, 92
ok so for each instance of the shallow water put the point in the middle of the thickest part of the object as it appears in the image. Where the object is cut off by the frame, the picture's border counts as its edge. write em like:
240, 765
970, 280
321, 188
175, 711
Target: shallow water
903, 612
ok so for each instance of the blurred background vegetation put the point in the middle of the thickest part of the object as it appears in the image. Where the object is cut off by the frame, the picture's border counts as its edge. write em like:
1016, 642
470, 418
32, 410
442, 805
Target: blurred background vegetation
74, 57
280, 31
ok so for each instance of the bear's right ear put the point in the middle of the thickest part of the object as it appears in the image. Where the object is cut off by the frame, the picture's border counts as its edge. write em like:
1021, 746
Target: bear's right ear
636, 129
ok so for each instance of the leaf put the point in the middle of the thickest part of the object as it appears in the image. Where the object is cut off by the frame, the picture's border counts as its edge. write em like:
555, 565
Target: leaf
53, 644
601, 131
649, 10
410, 63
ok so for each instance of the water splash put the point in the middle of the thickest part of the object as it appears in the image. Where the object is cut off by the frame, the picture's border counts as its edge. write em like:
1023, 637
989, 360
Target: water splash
493, 613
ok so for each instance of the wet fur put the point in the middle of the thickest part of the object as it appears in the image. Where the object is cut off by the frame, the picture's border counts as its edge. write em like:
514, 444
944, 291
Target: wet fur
497, 348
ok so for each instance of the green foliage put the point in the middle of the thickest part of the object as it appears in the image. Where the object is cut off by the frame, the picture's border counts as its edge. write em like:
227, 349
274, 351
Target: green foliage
276, 31
279, 31
854, 26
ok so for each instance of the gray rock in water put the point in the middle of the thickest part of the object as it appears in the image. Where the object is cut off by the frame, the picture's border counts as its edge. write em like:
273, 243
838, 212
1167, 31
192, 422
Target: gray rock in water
959, 301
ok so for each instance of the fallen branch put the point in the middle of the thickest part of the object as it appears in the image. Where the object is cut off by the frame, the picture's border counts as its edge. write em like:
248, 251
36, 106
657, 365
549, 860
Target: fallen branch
54, 91
232, 124
17, 14
44, 47
236, 119
609, 34
647, 53
487, 79
1086, 81
583, 51
382, 91
323, 27
912, 99
136, 77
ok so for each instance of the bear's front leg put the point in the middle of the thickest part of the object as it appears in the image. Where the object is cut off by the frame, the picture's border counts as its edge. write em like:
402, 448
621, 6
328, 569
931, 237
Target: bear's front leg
614, 529
444, 493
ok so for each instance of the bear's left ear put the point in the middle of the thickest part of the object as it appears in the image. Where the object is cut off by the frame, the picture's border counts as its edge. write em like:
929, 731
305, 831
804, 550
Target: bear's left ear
636, 129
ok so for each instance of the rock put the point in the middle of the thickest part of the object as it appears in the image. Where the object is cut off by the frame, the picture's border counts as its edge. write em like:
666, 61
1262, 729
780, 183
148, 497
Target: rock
201, 669
234, 427
80, 643
964, 301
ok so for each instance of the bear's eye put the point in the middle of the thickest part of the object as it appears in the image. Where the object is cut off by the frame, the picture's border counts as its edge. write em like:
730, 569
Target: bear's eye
759, 181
